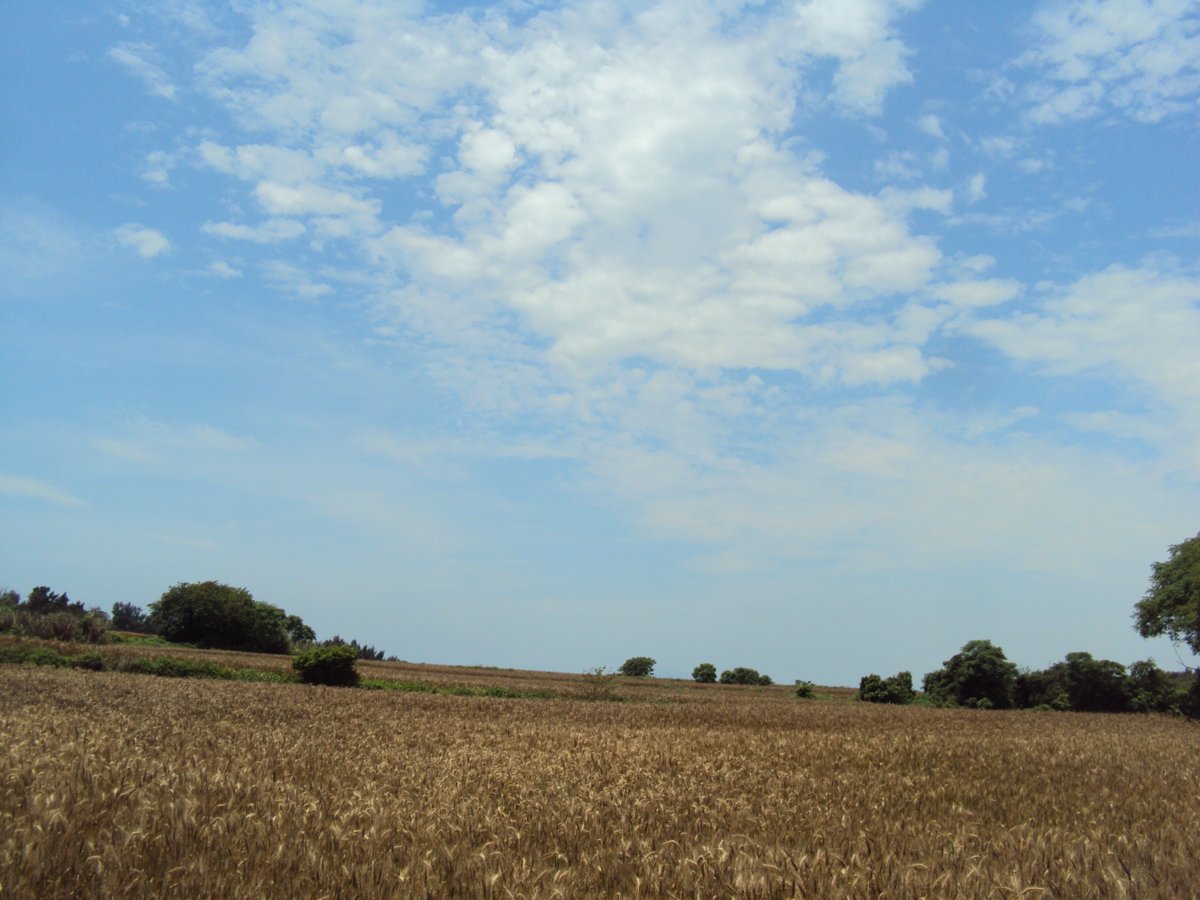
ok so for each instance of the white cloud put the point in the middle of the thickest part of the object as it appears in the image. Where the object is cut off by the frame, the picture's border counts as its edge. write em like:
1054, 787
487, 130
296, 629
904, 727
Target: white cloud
146, 242
978, 293
932, 126
1137, 328
36, 489
293, 279
222, 269
147, 441
270, 231
976, 188
140, 60
1140, 57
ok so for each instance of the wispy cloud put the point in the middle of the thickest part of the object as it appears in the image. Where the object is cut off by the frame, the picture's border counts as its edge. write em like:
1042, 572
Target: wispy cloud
36, 489
142, 61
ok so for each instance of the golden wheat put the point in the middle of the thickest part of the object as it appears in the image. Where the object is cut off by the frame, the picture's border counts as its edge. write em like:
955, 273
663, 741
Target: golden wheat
116, 785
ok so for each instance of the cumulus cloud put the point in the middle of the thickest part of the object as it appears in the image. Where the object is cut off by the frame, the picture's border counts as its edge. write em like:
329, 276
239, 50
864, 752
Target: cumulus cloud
146, 242
1138, 57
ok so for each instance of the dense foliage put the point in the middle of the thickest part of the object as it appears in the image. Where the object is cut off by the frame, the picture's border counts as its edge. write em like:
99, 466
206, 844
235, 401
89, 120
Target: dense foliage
332, 666
979, 675
744, 675
638, 667
705, 673
49, 615
212, 614
1171, 605
896, 689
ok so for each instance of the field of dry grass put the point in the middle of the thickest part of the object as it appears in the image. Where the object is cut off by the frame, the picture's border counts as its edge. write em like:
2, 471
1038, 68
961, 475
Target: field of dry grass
114, 784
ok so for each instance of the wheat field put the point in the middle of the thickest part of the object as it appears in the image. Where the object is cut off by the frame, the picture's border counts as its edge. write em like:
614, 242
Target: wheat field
125, 785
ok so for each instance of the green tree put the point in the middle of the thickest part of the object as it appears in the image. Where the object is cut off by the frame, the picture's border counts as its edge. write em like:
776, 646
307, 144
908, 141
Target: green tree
979, 675
1095, 685
42, 601
705, 673
741, 675
128, 617
638, 667
212, 614
896, 689
1171, 605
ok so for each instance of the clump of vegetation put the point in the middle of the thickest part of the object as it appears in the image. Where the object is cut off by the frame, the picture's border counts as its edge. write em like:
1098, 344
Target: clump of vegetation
51, 616
705, 673
362, 651
978, 676
805, 690
212, 614
638, 667
896, 689
744, 675
598, 684
333, 666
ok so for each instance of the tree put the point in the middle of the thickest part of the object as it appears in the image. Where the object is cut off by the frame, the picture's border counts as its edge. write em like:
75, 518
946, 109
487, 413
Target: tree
128, 617
638, 667
979, 675
42, 601
741, 675
896, 689
1095, 685
212, 614
1171, 605
705, 673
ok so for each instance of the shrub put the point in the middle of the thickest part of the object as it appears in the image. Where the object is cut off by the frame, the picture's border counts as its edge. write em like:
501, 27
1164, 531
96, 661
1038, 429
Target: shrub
57, 626
364, 651
896, 689
705, 673
172, 667
598, 684
327, 665
638, 667
741, 675
805, 690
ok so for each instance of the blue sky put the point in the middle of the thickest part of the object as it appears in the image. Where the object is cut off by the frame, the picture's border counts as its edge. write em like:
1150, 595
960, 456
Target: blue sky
819, 337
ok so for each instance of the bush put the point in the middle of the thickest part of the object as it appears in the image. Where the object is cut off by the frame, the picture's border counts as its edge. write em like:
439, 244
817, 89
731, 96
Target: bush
638, 667
172, 667
327, 665
896, 689
598, 684
705, 673
363, 651
741, 675
805, 690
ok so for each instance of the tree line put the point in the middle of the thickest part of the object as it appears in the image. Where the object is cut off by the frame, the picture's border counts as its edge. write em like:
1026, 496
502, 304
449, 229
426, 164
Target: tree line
206, 614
